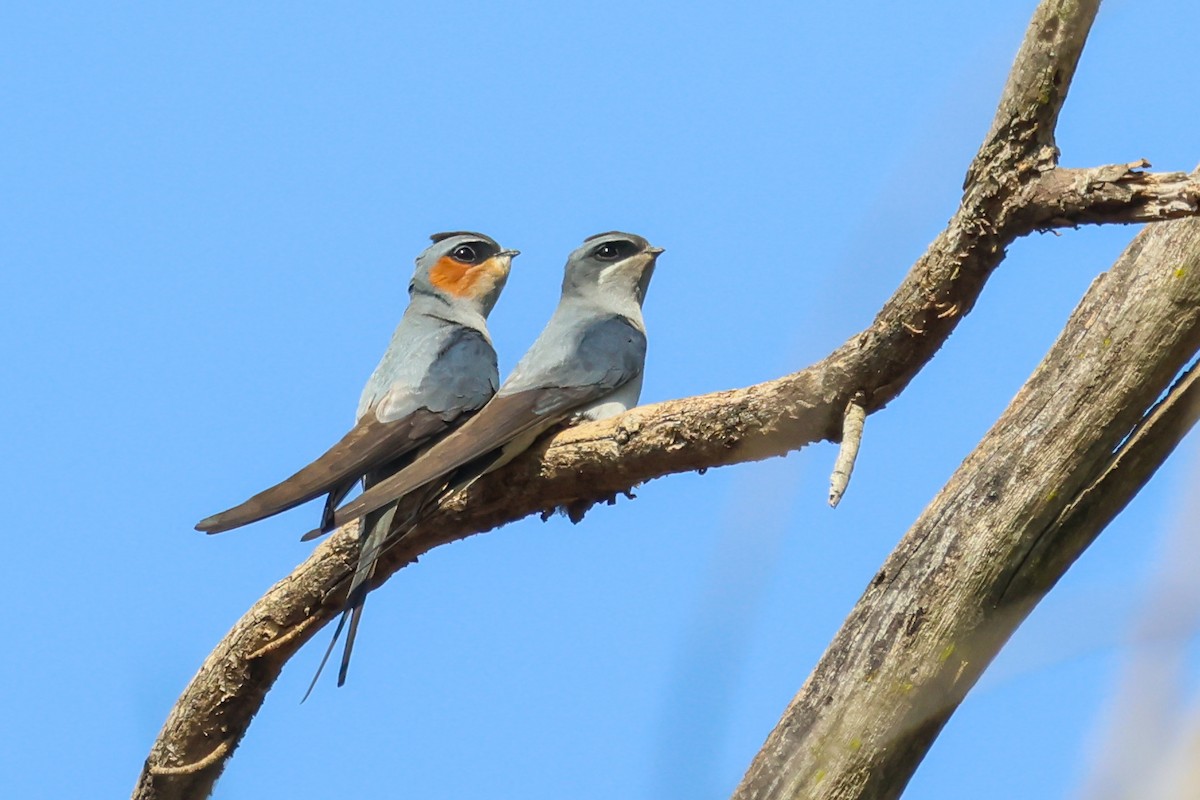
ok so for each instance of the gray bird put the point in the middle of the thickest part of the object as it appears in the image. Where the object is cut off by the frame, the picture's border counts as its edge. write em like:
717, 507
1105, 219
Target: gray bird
438, 370
586, 364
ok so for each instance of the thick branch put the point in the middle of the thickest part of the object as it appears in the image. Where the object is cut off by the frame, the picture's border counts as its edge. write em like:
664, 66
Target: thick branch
1004, 199
1054, 470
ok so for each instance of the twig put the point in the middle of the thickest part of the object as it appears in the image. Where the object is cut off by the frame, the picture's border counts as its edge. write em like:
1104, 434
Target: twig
843, 467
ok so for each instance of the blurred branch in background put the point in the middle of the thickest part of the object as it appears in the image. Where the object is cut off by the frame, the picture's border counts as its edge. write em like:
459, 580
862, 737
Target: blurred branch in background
714, 647
1150, 746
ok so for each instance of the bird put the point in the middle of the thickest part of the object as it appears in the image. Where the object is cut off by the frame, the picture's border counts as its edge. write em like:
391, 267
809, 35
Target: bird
439, 368
586, 364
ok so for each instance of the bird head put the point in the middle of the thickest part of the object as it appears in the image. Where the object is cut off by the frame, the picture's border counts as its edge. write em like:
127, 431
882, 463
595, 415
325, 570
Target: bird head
462, 267
613, 263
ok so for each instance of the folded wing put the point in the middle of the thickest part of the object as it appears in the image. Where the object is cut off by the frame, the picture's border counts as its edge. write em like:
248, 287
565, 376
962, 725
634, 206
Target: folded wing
609, 354
459, 382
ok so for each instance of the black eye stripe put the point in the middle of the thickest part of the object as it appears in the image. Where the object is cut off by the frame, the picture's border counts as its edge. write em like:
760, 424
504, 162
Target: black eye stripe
471, 253
612, 251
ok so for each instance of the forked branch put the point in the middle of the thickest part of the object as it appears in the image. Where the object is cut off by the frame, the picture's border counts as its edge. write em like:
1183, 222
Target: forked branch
1013, 188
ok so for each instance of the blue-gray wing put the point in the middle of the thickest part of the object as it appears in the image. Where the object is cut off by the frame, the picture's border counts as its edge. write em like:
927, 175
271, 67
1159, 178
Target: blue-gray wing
458, 383
464, 376
609, 353
604, 356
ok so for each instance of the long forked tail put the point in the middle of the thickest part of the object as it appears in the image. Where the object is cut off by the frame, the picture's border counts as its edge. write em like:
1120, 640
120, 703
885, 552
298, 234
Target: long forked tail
382, 533
328, 650
377, 526
380, 536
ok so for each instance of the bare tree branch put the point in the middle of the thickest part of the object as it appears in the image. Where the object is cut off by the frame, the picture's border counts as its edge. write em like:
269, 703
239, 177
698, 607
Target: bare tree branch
1013, 188
1071, 450
1113, 193
1027, 114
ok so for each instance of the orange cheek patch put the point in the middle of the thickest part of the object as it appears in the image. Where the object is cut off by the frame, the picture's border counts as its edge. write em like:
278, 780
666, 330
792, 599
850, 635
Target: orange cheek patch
451, 276
462, 280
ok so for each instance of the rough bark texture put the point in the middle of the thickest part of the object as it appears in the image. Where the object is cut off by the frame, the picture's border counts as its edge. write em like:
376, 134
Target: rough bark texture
1013, 188
1056, 467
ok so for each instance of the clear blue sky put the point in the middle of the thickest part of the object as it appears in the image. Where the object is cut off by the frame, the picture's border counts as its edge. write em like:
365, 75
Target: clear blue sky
208, 220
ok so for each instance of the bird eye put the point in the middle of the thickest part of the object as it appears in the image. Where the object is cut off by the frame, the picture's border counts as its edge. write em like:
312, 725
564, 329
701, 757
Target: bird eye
464, 253
608, 252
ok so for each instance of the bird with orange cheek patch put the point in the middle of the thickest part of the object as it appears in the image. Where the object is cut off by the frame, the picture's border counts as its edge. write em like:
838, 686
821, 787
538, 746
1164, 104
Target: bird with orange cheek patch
439, 369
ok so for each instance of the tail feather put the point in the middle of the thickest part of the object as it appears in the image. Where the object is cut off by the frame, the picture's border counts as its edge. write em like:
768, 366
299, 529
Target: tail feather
328, 651
379, 526
351, 635
382, 532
